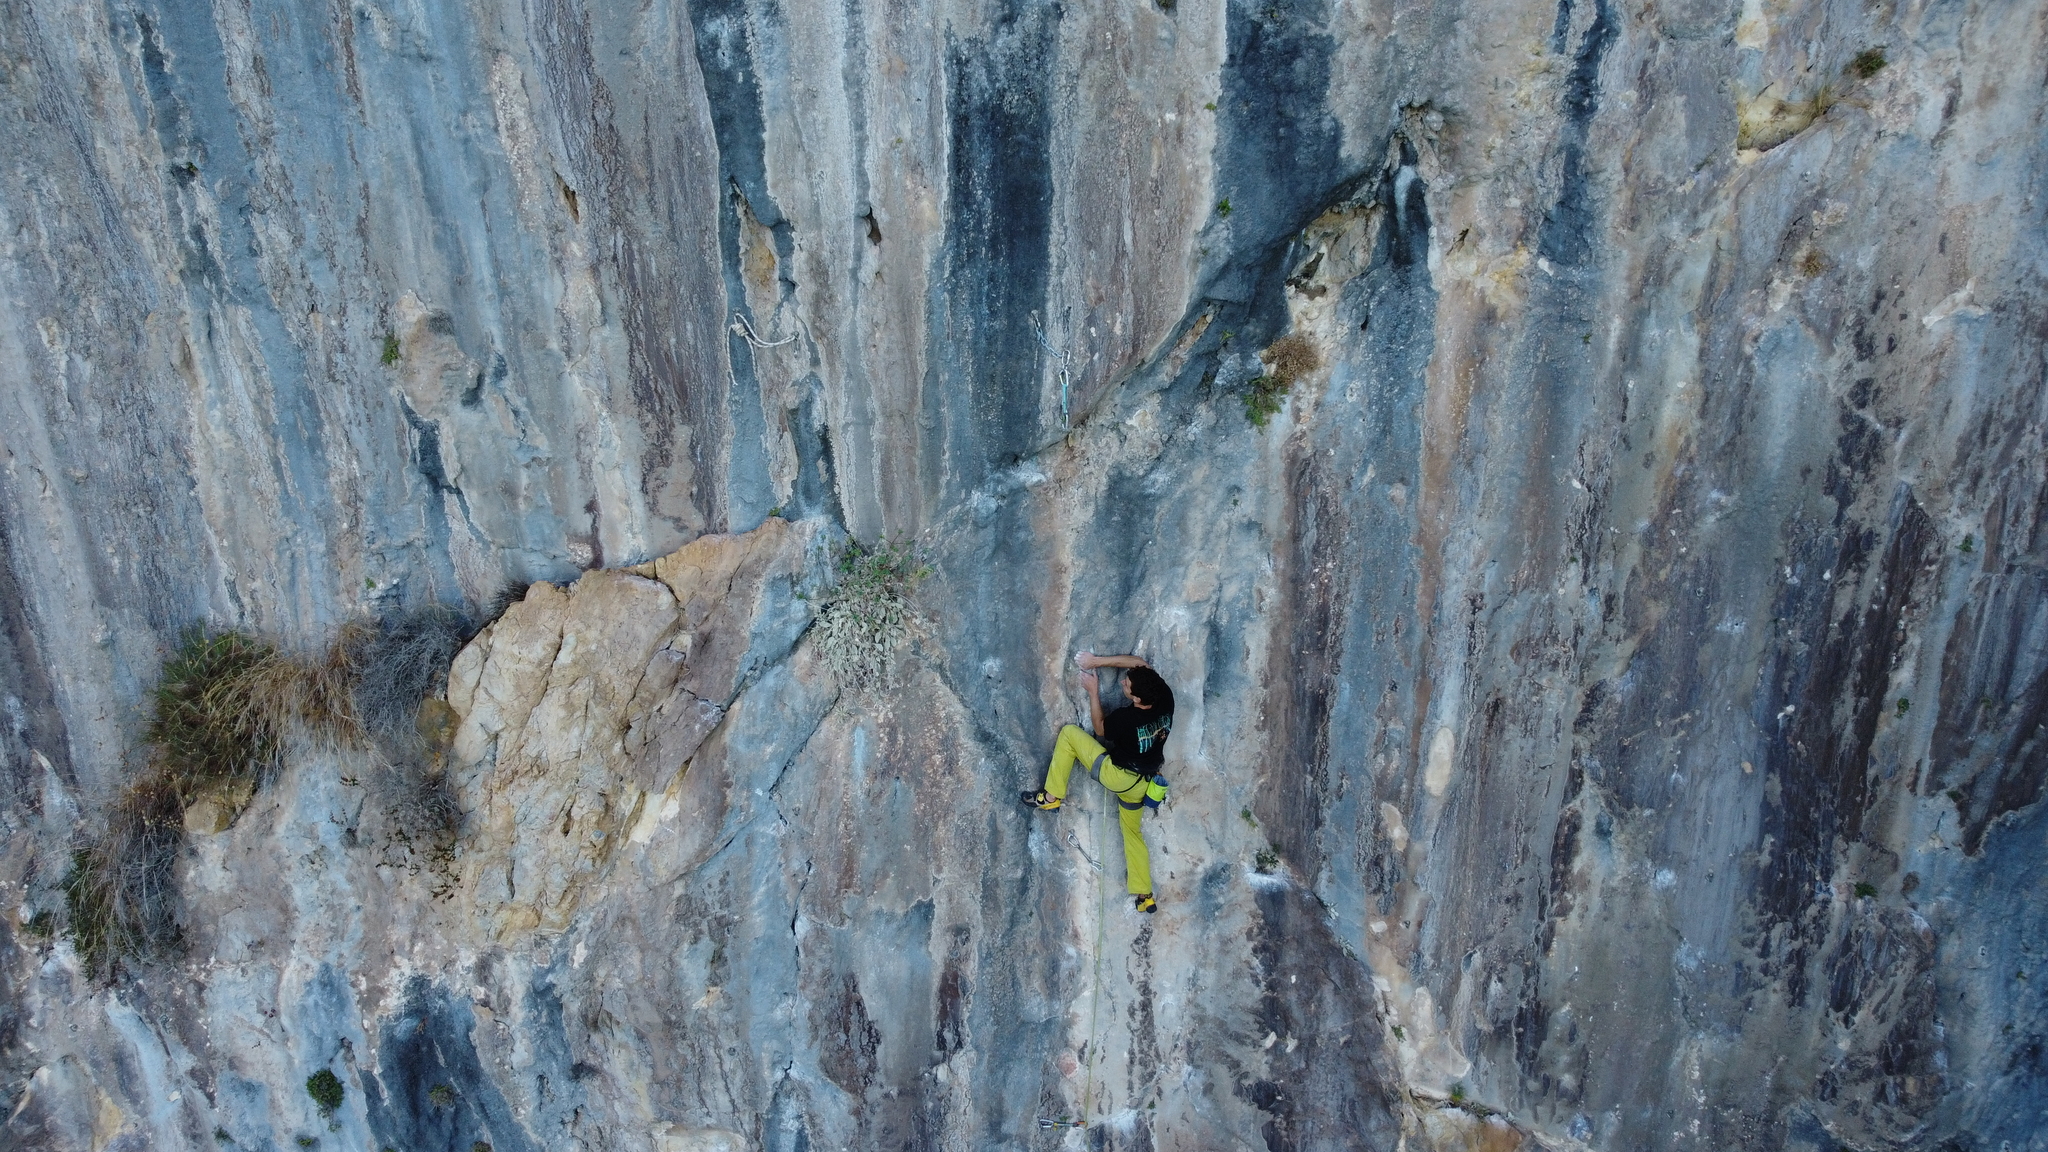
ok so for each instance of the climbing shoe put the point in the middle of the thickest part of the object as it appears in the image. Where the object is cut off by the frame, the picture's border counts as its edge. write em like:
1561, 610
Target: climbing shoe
1146, 904
1041, 799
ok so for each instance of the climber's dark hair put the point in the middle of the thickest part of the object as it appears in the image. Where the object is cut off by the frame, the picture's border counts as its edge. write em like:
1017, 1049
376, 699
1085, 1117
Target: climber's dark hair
1150, 687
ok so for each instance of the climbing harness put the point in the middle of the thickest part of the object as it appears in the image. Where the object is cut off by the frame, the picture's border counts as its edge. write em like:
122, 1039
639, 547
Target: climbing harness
1066, 378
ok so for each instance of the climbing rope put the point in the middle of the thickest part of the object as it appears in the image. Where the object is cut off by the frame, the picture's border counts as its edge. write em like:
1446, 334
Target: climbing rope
1066, 380
1095, 998
745, 330
1089, 1050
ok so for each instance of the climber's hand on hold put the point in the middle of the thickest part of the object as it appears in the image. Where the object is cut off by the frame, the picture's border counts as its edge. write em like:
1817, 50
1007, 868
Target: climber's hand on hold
1088, 681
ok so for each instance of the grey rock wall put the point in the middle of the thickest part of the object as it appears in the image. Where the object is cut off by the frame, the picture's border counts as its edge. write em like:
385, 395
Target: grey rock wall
1630, 638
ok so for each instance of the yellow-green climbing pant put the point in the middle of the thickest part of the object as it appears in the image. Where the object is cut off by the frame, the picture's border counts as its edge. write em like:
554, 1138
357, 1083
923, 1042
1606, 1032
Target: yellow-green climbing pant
1076, 746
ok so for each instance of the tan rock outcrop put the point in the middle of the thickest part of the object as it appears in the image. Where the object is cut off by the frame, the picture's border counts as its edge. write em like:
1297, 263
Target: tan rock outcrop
581, 701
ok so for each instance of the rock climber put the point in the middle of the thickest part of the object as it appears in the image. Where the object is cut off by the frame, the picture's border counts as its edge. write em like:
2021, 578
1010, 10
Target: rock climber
1125, 760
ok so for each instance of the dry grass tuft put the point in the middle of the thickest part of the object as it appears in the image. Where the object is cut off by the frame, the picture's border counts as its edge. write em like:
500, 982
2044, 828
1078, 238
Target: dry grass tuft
1292, 357
398, 665
400, 669
121, 895
316, 694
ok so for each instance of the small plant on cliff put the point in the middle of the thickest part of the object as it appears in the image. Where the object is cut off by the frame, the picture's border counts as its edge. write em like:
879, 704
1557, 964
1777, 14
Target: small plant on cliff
120, 893
1288, 359
1266, 860
398, 664
314, 694
204, 727
390, 354
326, 1090
509, 593
867, 614
1868, 63
441, 1096
1263, 398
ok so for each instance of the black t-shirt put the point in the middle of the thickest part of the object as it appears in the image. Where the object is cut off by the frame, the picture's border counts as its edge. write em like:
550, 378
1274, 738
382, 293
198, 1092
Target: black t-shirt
1136, 738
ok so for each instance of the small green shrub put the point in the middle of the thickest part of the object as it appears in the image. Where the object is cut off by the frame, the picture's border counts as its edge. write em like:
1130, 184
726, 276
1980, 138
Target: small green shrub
1263, 398
1868, 63
1457, 1093
1248, 817
220, 1135
390, 354
1399, 1034
441, 1096
480, 1146
1903, 706
1223, 207
1266, 860
89, 910
867, 614
1865, 891
1968, 545
326, 1090
1288, 359
307, 1141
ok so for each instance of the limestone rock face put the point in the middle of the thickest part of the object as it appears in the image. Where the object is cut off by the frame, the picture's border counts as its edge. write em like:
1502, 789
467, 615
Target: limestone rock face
576, 706
1581, 467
